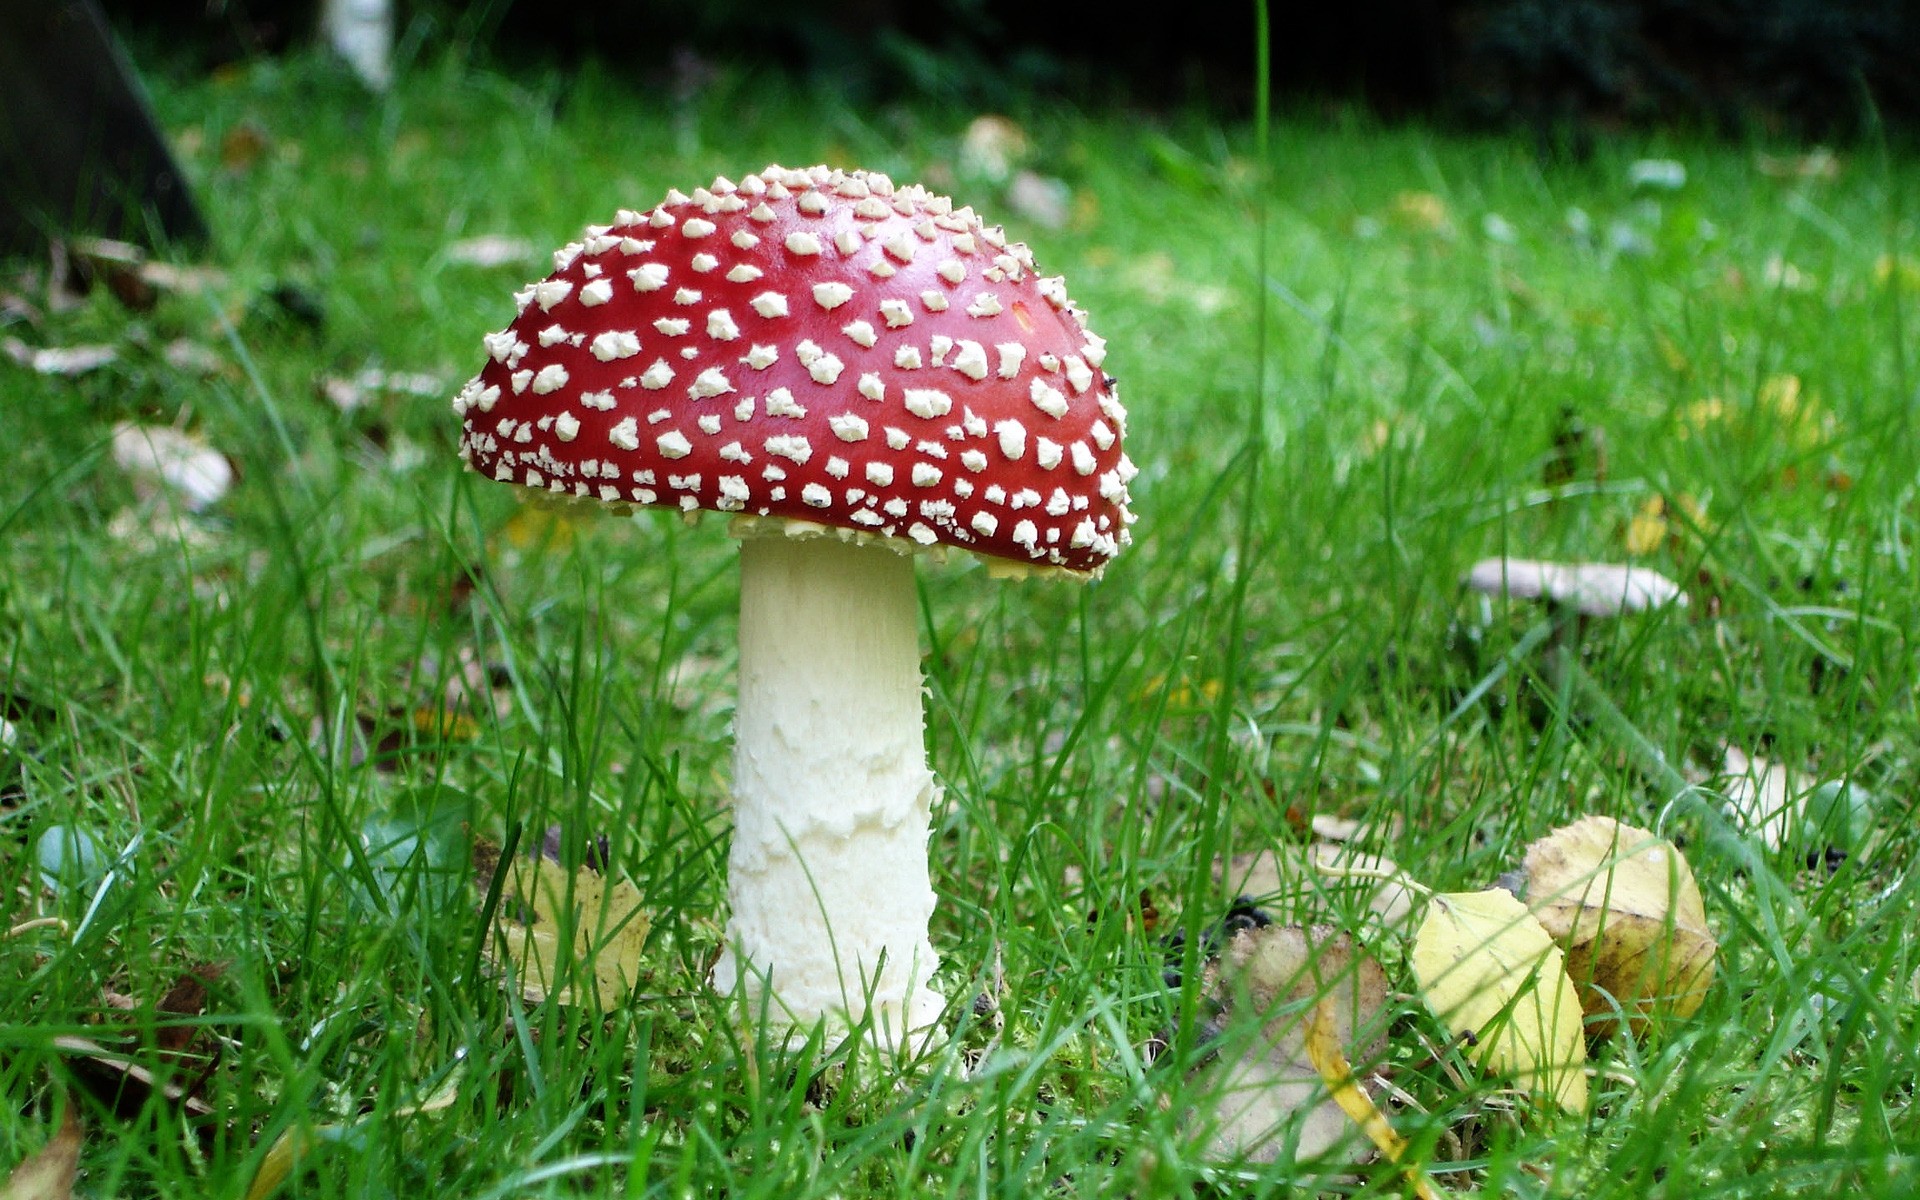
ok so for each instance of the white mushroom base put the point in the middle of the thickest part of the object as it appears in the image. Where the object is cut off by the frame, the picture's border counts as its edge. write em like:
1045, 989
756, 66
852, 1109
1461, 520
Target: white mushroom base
832, 795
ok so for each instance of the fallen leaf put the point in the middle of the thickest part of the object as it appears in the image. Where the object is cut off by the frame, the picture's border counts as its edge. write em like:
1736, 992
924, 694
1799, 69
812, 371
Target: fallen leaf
1330, 828
1889, 269
186, 998
192, 358
349, 393
491, 250
991, 146
1422, 211
64, 361
296, 1140
1270, 1097
541, 903
443, 724
538, 526
242, 145
1041, 199
187, 280
1391, 893
157, 457
1329, 1058
1490, 972
1647, 530
1817, 163
48, 1173
1777, 272
123, 1083
117, 264
1623, 904
1659, 174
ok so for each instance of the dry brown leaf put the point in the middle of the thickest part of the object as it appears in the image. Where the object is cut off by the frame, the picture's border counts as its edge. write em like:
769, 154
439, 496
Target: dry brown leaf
186, 998
1623, 904
48, 1173
1488, 969
1270, 1097
242, 145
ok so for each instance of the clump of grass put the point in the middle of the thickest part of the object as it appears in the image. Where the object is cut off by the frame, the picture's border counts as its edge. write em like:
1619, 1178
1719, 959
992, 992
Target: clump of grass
227, 704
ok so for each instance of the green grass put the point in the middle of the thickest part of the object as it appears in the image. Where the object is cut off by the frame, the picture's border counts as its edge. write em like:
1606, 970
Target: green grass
1419, 357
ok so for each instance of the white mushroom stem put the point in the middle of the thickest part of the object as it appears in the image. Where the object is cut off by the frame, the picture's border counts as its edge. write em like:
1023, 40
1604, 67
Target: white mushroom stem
832, 795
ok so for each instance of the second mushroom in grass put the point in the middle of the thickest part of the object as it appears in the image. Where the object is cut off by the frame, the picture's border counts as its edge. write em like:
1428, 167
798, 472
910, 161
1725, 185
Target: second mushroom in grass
855, 371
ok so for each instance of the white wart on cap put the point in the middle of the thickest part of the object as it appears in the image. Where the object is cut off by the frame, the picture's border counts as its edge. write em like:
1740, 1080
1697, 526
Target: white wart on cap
813, 346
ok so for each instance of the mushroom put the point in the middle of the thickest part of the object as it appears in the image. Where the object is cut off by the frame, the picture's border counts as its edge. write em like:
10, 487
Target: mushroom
855, 371
1589, 589
1577, 593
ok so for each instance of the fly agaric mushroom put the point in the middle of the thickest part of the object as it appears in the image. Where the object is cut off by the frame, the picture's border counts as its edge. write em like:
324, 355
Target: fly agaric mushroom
856, 371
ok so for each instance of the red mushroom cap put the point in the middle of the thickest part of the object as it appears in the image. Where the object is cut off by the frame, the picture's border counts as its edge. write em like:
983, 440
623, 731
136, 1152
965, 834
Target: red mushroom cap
816, 346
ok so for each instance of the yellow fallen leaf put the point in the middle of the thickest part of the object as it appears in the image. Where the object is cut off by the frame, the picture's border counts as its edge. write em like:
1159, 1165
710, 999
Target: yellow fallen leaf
609, 927
1624, 905
1490, 971
538, 526
296, 1140
1422, 211
280, 1159
1647, 531
1671, 354
444, 723
1887, 269
1701, 415
1327, 1057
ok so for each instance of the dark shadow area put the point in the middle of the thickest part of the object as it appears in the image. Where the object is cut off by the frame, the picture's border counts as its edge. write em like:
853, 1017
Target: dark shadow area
79, 151
1828, 68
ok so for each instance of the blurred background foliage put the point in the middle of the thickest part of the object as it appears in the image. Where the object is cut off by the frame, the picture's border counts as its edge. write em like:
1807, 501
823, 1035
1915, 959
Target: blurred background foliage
1565, 69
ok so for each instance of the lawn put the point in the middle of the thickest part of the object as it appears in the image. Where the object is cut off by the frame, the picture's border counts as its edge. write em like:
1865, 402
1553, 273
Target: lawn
269, 734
